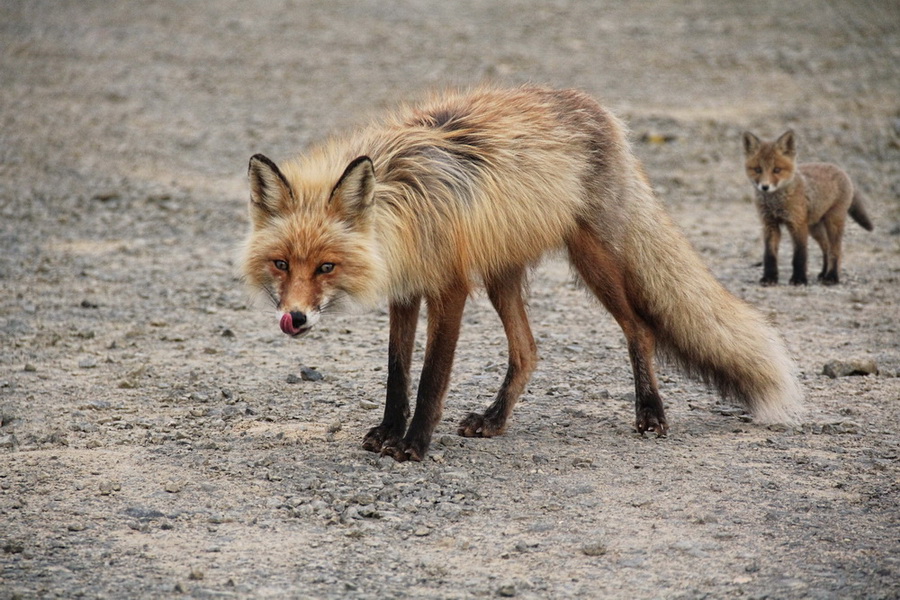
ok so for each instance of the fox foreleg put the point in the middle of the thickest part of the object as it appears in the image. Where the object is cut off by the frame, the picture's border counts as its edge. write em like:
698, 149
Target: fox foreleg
403, 320
444, 320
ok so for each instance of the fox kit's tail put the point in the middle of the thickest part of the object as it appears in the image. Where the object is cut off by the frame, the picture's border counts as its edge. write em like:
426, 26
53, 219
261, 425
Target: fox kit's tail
858, 211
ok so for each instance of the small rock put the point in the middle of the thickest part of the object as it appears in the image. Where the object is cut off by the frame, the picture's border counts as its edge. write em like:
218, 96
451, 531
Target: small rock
507, 590
292, 379
845, 368
173, 487
310, 374
840, 427
594, 549
108, 487
76, 526
368, 404
196, 574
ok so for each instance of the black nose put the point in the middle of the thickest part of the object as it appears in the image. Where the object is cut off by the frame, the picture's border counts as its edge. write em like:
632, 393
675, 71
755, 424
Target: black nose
298, 319
765, 188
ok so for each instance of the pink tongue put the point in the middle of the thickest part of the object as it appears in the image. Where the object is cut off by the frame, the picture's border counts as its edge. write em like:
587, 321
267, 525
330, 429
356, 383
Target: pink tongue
287, 324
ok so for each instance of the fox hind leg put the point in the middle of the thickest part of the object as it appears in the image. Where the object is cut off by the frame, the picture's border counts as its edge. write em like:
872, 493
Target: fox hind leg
834, 228
505, 293
403, 320
819, 234
600, 271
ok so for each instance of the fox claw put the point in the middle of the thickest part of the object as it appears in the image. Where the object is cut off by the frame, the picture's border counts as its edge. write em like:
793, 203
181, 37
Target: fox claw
380, 437
402, 451
649, 422
478, 425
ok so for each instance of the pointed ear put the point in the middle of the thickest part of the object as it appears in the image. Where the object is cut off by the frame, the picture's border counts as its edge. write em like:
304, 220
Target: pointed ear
751, 143
787, 143
269, 190
354, 192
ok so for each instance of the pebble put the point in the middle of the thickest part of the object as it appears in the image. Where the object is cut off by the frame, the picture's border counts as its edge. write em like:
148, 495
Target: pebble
840, 427
310, 374
846, 368
594, 549
173, 487
107, 487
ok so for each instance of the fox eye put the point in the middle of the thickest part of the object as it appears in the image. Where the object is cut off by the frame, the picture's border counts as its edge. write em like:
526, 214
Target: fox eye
281, 265
776, 170
325, 268
757, 170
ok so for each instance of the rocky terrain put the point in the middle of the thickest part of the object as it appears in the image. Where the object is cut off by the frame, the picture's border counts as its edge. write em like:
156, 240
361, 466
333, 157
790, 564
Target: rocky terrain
160, 437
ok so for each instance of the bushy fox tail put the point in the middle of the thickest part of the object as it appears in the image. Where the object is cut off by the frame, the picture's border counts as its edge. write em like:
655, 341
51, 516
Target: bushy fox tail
710, 333
858, 211
675, 306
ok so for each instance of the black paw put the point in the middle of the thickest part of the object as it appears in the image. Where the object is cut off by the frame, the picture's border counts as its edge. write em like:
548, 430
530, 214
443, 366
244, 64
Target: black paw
404, 450
379, 437
649, 420
478, 425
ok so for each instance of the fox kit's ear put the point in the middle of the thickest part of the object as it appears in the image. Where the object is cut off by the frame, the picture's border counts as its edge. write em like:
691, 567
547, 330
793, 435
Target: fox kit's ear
355, 190
269, 190
751, 143
787, 143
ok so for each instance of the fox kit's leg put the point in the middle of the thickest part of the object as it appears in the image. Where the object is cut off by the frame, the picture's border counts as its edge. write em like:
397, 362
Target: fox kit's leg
819, 234
771, 239
444, 319
799, 236
404, 318
506, 296
604, 276
834, 221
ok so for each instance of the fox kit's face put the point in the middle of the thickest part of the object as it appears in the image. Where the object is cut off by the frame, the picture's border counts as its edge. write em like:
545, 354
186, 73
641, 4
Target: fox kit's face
309, 247
770, 165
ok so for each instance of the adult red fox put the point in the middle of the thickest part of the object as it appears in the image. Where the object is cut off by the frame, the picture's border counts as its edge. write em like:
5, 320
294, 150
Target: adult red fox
809, 199
471, 189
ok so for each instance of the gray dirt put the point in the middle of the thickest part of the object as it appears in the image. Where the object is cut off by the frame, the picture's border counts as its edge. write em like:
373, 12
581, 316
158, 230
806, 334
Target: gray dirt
159, 436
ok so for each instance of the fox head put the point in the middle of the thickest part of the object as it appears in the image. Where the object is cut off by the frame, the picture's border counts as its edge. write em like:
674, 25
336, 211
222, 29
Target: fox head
770, 165
311, 239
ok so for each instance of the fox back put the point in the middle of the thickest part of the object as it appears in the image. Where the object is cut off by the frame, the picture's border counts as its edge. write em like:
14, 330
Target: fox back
460, 188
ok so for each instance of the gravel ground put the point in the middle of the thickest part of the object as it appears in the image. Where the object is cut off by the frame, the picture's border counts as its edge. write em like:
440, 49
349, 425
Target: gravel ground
160, 437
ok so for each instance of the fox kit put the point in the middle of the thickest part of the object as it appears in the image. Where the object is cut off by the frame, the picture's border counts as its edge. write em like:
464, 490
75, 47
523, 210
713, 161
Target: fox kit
809, 199
469, 190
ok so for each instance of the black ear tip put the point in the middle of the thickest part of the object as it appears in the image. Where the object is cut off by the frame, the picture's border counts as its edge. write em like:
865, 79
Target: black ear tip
358, 161
262, 158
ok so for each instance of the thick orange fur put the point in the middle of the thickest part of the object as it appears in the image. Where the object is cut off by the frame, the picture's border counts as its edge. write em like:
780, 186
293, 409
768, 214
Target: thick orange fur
469, 189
